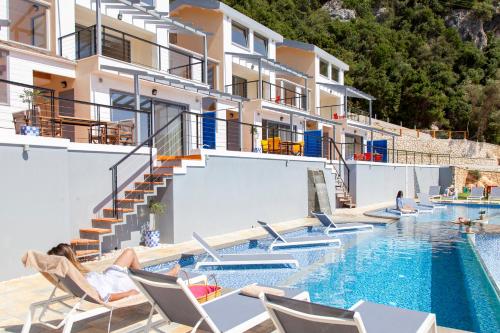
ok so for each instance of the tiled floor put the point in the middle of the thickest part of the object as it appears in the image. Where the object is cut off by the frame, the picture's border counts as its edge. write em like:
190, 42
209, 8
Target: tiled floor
16, 295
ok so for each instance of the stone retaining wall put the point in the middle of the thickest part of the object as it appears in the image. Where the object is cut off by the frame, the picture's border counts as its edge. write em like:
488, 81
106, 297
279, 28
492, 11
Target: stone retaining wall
462, 176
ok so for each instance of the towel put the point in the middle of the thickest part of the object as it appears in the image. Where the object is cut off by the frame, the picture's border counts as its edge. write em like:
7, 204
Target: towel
254, 291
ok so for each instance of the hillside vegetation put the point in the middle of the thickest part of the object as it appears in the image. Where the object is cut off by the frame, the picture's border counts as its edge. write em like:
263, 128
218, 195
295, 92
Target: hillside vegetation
402, 52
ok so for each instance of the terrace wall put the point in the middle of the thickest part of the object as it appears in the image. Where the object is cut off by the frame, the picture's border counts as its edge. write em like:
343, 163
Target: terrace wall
50, 189
372, 183
234, 190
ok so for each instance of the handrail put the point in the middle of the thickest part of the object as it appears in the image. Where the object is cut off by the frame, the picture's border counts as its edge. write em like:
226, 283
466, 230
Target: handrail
346, 166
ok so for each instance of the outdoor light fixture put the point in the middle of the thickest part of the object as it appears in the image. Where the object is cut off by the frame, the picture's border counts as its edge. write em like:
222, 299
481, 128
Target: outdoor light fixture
154, 92
64, 84
120, 16
281, 118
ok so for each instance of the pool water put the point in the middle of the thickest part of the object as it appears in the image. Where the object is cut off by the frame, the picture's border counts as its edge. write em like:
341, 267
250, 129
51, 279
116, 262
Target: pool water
422, 263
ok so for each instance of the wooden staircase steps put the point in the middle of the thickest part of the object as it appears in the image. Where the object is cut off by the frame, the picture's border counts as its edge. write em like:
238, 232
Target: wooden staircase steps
137, 192
96, 231
84, 241
147, 175
147, 183
129, 200
107, 220
86, 253
121, 210
165, 158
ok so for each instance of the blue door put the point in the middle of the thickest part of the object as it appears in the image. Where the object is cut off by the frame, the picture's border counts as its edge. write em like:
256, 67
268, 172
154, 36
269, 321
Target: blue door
209, 130
312, 143
379, 147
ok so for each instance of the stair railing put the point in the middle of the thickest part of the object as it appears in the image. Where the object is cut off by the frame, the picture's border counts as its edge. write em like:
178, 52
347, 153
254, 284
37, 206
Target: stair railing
150, 142
342, 164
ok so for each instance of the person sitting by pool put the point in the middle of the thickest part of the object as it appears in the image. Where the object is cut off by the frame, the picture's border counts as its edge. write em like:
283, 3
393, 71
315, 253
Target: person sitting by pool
113, 283
450, 192
402, 207
462, 220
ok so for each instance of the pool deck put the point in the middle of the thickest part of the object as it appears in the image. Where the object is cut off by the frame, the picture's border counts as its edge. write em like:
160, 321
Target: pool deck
16, 295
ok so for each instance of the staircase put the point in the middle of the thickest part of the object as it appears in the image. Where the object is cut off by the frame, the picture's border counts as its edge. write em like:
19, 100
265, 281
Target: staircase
105, 227
342, 194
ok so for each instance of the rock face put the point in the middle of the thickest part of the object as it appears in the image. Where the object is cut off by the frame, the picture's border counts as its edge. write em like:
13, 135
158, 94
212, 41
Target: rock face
469, 27
336, 10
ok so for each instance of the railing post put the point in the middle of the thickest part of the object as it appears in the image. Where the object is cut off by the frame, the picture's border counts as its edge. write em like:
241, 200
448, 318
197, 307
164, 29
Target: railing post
197, 131
53, 113
182, 135
114, 190
60, 46
151, 160
252, 129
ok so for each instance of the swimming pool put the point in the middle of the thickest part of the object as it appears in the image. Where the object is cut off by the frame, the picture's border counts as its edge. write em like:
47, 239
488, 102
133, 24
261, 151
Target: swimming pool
422, 264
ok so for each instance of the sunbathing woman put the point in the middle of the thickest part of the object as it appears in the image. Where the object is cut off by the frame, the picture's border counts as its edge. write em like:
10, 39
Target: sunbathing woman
114, 283
400, 206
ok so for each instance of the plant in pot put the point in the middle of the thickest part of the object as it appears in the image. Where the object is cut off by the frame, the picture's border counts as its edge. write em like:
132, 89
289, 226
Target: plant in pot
151, 235
29, 96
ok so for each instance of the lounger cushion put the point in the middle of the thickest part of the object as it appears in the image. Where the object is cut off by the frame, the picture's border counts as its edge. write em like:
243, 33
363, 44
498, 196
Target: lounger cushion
389, 319
292, 324
256, 257
231, 310
312, 239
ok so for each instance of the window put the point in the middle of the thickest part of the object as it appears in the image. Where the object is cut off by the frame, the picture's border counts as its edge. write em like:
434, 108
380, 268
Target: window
240, 86
260, 45
28, 23
335, 73
239, 35
323, 68
3, 75
272, 129
124, 100
172, 38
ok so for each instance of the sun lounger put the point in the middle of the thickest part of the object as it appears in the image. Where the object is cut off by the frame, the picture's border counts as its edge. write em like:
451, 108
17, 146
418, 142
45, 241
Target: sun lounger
494, 194
409, 202
435, 192
330, 226
400, 213
67, 278
296, 316
476, 193
282, 242
231, 312
221, 260
425, 201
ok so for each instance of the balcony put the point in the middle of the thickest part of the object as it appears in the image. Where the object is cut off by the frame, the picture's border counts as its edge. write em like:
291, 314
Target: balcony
283, 93
128, 48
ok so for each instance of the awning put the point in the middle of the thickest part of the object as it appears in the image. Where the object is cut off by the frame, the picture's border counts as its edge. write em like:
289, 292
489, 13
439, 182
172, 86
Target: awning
172, 82
148, 13
347, 90
270, 64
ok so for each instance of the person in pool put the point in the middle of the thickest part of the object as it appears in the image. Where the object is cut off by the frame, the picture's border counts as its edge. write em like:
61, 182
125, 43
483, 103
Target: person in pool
113, 283
401, 206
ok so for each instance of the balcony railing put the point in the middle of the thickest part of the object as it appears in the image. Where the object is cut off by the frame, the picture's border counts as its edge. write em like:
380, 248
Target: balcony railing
270, 92
125, 47
38, 111
359, 115
331, 112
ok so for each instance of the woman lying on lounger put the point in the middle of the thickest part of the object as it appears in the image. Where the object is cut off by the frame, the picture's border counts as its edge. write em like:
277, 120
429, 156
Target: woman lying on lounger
399, 204
114, 283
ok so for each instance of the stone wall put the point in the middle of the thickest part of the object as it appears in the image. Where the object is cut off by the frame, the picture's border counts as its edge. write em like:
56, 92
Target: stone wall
463, 176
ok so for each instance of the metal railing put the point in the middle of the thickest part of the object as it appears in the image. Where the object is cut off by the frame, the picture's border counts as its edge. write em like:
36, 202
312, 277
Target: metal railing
188, 131
331, 112
76, 120
359, 115
362, 152
126, 47
270, 92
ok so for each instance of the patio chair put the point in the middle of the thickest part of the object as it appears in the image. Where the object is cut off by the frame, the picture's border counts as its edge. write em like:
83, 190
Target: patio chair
20, 119
67, 278
296, 316
126, 132
494, 194
425, 201
280, 241
330, 226
172, 299
221, 260
434, 192
476, 193
409, 202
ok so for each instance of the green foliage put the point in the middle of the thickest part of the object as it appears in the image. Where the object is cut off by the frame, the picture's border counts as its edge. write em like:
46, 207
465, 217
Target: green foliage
419, 69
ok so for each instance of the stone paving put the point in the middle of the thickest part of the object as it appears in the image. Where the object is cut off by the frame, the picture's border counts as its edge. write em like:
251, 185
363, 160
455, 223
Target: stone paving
16, 295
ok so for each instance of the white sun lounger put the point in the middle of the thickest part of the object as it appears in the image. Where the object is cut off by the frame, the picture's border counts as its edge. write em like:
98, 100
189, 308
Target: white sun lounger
476, 193
230, 313
419, 208
435, 192
426, 202
494, 194
330, 226
296, 316
222, 260
400, 213
282, 242
67, 278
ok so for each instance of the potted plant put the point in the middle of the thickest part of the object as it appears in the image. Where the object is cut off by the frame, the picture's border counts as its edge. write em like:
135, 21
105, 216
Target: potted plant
29, 96
151, 235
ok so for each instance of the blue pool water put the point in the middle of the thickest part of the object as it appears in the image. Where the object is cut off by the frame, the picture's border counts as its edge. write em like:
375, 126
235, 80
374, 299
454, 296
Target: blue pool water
422, 263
